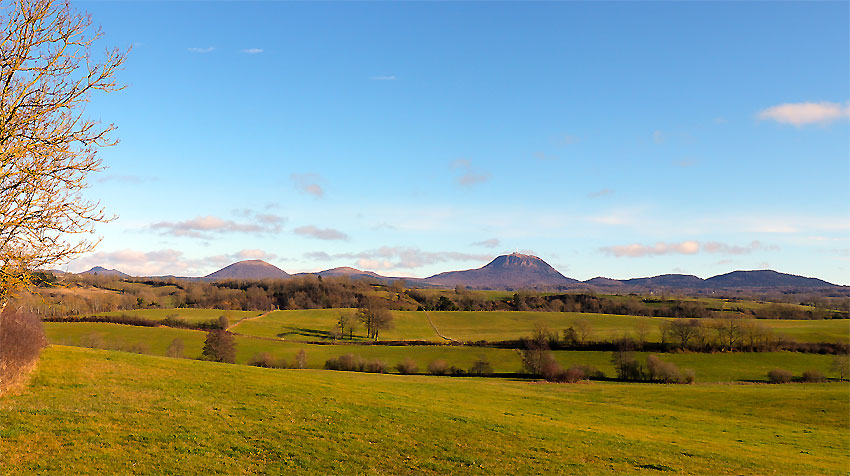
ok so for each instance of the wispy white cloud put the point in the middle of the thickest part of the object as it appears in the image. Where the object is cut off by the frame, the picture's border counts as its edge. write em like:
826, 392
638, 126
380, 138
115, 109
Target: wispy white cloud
469, 176
383, 78
568, 139
658, 137
311, 231
544, 156
802, 113
397, 257
690, 247
491, 243
636, 250
600, 193
254, 254
309, 184
162, 262
209, 49
203, 227
723, 248
252, 51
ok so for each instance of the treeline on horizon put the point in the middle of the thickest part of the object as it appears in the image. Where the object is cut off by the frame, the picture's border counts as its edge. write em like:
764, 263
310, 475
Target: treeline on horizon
76, 295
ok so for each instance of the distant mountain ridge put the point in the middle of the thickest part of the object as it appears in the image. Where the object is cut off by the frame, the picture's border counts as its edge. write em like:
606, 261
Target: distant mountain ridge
518, 271
765, 278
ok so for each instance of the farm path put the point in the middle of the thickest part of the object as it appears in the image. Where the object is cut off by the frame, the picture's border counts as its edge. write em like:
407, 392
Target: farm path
231, 326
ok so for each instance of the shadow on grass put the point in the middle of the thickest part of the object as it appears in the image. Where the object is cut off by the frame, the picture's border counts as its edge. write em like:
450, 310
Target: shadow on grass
304, 332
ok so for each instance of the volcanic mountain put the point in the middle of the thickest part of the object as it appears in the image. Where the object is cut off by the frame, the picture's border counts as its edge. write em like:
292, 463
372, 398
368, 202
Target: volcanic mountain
763, 279
512, 271
350, 272
248, 269
101, 271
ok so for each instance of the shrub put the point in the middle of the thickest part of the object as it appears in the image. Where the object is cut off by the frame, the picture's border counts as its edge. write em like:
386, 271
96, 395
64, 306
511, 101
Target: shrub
665, 372
551, 370
481, 367
220, 346
812, 375
690, 376
21, 341
348, 362
407, 367
456, 371
175, 348
627, 367
438, 367
137, 348
262, 359
574, 374
301, 359
779, 376
376, 366
590, 372
841, 365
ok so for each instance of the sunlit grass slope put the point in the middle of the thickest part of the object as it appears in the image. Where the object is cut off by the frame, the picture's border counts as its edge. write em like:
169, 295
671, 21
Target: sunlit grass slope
189, 315
721, 367
317, 324
101, 412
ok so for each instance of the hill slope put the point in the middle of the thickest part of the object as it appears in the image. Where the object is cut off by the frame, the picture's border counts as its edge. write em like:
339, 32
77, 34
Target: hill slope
249, 269
764, 278
508, 271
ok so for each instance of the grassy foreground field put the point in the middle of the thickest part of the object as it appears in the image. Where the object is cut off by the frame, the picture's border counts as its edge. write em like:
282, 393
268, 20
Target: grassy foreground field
101, 412
317, 324
721, 367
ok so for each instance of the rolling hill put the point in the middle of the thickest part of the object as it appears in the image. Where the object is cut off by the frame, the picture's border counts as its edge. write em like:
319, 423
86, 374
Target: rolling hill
764, 278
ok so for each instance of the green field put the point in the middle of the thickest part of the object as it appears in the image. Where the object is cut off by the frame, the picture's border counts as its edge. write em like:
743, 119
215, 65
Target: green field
189, 315
101, 412
721, 367
318, 324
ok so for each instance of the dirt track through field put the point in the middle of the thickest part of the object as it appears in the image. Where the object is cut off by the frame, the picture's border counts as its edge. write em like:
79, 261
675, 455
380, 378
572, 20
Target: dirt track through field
435, 328
249, 319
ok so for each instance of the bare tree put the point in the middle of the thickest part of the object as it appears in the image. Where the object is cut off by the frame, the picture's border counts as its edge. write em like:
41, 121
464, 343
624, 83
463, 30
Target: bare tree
684, 331
348, 322
47, 146
642, 329
375, 318
841, 366
583, 329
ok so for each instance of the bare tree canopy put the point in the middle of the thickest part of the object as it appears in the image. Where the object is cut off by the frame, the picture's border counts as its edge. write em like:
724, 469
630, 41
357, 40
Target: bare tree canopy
47, 145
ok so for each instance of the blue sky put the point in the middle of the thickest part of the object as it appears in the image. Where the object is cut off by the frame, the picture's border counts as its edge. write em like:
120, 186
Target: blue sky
613, 139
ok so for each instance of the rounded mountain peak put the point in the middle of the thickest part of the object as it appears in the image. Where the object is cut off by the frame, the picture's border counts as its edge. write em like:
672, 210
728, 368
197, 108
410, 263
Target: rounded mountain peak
514, 260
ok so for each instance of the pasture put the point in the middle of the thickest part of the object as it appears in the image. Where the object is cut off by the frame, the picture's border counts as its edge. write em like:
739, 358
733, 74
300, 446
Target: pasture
721, 367
319, 324
187, 314
101, 412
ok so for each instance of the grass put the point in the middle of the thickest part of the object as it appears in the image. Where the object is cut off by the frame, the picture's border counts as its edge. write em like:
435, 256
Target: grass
190, 315
723, 367
101, 412
318, 324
